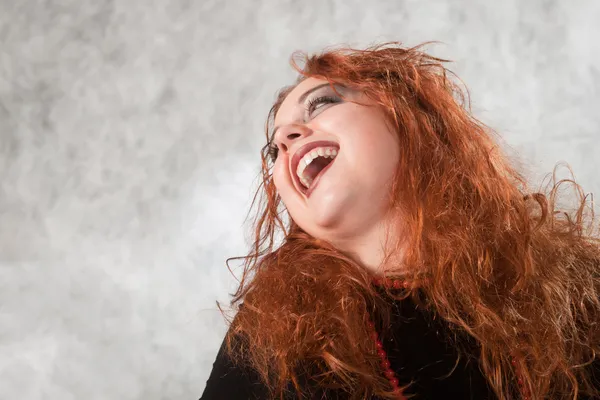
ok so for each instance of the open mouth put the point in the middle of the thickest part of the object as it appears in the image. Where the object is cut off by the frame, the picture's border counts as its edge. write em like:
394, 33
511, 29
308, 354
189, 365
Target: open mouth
313, 164
313, 170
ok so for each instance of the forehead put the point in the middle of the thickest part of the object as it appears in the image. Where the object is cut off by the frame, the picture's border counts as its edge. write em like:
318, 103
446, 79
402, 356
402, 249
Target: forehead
290, 107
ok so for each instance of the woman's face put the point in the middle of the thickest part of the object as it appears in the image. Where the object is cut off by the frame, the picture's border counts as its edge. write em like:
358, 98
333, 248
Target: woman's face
357, 155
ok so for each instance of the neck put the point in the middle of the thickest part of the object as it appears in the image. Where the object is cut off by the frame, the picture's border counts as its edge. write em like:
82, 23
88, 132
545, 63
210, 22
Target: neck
374, 249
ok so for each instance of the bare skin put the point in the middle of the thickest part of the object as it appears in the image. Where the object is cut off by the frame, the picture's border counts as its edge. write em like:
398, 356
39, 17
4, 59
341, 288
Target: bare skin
348, 205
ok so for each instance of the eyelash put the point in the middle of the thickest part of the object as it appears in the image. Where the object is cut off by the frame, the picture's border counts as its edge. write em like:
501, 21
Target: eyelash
273, 150
310, 106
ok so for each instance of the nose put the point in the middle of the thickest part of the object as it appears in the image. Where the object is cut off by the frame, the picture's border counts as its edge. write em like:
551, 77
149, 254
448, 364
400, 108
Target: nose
287, 135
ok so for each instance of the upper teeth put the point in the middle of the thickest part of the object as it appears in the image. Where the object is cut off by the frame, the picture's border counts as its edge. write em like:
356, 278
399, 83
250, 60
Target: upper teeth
327, 152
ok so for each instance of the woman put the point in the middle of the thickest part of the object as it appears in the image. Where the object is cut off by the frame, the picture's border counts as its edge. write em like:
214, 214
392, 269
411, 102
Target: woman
414, 261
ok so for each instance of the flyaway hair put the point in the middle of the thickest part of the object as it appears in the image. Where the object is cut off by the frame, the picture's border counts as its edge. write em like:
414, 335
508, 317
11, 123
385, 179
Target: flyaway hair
508, 269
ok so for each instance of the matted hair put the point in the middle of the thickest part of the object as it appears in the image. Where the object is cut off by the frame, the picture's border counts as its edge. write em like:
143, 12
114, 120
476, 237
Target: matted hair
507, 269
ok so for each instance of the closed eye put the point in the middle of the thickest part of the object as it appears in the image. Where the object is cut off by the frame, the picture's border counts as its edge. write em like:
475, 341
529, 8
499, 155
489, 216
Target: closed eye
311, 106
272, 152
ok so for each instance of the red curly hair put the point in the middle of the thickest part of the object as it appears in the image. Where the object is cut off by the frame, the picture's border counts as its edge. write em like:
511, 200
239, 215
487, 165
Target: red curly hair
506, 268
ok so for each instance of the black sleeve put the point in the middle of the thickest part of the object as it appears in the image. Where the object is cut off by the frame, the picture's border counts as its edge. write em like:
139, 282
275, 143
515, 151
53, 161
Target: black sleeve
232, 382
595, 378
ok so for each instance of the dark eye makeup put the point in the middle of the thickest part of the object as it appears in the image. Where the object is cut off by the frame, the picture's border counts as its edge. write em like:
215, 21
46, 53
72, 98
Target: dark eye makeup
311, 105
273, 151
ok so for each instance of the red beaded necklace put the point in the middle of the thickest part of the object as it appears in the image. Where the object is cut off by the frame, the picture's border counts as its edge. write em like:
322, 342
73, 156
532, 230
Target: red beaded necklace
385, 362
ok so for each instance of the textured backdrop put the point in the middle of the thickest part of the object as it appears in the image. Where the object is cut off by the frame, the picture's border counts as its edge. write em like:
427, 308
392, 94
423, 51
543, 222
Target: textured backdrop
129, 139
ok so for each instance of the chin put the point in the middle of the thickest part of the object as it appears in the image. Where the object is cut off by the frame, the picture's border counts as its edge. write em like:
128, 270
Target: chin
326, 211
327, 220
320, 225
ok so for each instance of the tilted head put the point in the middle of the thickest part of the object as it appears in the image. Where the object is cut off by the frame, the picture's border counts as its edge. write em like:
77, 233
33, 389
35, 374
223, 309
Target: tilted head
334, 155
399, 152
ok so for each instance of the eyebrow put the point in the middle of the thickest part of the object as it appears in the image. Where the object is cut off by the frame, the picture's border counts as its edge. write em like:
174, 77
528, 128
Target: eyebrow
301, 100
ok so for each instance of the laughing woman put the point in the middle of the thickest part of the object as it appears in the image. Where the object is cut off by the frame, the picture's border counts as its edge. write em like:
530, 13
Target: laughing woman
415, 262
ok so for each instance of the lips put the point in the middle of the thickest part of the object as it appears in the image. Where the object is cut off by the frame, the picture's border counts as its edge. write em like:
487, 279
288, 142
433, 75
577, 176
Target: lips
301, 152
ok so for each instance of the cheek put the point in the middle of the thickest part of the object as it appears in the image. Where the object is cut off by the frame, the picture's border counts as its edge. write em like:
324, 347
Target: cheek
278, 174
372, 140
374, 157
282, 182
287, 192
277, 178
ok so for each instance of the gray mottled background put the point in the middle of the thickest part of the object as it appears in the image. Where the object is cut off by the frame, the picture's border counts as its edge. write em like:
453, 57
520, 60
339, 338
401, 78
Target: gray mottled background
129, 139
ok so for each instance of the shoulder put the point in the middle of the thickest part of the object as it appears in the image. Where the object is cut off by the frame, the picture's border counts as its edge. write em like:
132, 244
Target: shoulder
238, 381
232, 381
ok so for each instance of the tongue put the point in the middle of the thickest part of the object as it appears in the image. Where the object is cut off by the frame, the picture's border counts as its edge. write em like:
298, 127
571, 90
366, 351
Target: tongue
316, 166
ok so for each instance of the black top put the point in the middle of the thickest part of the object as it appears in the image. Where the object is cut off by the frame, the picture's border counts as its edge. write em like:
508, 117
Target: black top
418, 349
